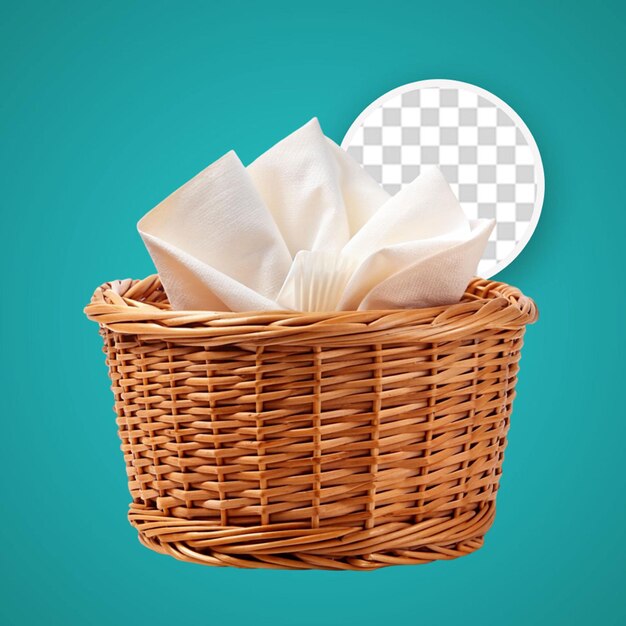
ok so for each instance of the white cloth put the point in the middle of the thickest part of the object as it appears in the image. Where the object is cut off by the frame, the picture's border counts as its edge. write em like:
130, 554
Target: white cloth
304, 227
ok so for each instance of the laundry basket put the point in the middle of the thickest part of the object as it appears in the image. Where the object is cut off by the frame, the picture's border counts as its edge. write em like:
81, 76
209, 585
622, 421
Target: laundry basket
343, 440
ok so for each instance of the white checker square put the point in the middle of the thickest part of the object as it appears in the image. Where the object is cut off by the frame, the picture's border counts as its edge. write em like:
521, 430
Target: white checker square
449, 117
375, 118
487, 116
487, 155
505, 174
392, 135
506, 135
471, 210
411, 155
429, 135
392, 174
506, 212
468, 174
429, 98
524, 155
525, 192
467, 99
468, 136
487, 192
372, 155
449, 155
410, 116
358, 137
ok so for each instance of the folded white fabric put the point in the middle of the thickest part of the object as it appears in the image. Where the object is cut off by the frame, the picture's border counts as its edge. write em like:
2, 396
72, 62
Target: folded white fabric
304, 227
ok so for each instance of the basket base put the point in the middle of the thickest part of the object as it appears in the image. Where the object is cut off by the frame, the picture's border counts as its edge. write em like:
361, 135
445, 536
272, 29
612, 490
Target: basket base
293, 546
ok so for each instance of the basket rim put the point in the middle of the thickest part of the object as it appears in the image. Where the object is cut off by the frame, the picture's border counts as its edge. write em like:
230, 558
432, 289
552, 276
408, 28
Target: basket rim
140, 307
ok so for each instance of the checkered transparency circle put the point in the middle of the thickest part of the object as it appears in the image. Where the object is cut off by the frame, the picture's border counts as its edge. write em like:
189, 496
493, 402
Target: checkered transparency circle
484, 150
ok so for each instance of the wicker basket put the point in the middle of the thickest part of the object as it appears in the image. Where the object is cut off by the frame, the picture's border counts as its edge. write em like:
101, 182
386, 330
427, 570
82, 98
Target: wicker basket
349, 440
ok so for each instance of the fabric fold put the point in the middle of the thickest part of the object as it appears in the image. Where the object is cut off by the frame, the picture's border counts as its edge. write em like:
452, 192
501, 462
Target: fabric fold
304, 227
316, 192
214, 237
417, 274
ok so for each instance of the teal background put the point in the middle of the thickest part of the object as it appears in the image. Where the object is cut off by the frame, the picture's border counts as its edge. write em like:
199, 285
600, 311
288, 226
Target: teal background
108, 107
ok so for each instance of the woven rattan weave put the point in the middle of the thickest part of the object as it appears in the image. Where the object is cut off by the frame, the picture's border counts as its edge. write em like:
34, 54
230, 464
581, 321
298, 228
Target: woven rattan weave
344, 440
